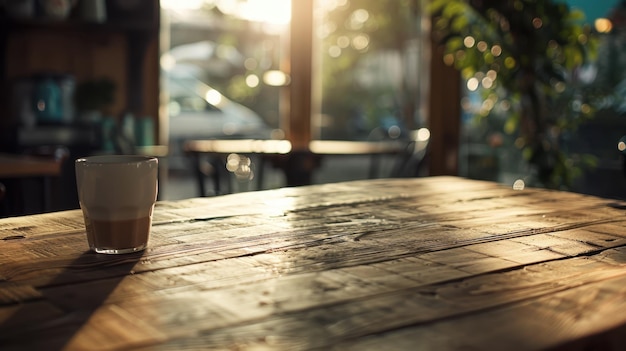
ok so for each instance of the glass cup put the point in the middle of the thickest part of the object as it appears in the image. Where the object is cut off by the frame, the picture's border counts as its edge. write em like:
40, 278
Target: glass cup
117, 194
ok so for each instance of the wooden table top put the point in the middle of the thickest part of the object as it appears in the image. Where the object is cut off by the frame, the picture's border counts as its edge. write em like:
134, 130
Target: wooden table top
350, 148
439, 263
239, 146
16, 166
279, 147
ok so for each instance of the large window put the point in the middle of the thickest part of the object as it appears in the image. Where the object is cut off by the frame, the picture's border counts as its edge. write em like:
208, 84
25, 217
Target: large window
222, 70
489, 146
229, 70
372, 66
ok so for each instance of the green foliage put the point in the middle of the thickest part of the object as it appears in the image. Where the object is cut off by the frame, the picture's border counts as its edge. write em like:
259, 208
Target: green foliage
532, 48
359, 30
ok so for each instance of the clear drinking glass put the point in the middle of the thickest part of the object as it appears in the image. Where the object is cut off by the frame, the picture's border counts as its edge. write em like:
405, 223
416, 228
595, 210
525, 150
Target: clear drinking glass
117, 194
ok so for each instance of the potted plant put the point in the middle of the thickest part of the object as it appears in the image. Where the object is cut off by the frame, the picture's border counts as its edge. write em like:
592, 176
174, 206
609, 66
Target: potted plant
524, 54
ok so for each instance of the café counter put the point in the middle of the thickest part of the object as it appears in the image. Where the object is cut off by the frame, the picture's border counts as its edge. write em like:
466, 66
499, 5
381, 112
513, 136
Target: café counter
438, 263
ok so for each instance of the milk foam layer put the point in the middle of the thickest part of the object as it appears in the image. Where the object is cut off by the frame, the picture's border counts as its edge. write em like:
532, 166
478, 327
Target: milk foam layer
117, 187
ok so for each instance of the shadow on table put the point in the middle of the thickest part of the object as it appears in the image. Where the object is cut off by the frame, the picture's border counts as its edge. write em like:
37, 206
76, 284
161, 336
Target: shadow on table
50, 320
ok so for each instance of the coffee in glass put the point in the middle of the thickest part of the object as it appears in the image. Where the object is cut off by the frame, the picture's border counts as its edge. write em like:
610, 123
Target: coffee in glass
117, 194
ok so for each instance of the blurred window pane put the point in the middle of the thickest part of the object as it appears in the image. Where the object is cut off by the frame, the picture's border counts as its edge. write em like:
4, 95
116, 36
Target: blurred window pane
223, 49
226, 69
373, 68
215, 55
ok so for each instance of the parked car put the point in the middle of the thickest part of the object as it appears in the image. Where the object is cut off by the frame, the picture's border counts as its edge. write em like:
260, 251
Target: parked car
197, 111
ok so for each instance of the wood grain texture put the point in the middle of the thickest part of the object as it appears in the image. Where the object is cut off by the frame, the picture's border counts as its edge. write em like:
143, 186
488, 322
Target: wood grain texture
430, 263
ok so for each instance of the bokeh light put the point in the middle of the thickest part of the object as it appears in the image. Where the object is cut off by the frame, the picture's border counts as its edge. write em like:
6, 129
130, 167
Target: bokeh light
603, 25
251, 63
252, 80
487, 82
361, 42
482, 46
358, 18
343, 41
509, 62
472, 84
276, 78
334, 51
214, 97
423, 134
496, 50
240, 166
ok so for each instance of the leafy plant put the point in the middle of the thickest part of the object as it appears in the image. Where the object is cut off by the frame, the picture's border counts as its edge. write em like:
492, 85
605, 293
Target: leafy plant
523, 56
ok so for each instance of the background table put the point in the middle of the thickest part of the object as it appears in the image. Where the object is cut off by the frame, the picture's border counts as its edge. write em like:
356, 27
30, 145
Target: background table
19, 166
218, 151
437, 263
298, 165
15, 168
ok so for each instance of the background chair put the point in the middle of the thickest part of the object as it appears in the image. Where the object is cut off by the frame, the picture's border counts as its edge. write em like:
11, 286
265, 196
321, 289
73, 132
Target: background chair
409, 163
40, 194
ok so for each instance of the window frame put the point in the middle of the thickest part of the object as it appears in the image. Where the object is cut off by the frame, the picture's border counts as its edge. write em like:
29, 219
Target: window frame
301, 97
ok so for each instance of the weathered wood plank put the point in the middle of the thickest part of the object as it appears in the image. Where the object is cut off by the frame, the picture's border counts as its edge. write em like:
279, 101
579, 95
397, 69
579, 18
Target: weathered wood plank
323, 266
585, 317
188, 247
291, 293
521, 309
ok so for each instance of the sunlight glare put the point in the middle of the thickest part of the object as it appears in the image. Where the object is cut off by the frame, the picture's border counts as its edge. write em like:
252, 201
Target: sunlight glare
181, 4
423, 134
275, 78
268, 11
213, 97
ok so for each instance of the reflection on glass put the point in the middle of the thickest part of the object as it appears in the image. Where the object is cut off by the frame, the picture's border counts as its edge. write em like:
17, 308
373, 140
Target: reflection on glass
221, 70
519, 184
371, 70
